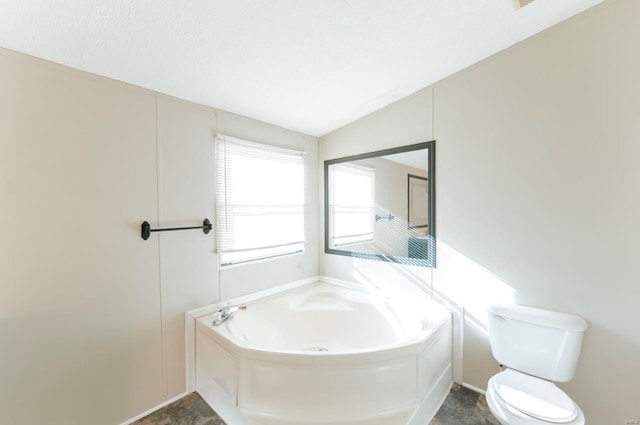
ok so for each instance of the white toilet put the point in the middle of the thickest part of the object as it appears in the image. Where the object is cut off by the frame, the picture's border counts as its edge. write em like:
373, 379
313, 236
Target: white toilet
537, 347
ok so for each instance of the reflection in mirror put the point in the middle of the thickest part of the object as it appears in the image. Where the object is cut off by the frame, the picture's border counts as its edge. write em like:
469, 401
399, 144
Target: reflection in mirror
381, 205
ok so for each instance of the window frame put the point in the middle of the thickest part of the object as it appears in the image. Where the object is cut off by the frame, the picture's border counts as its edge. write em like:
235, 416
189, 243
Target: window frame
225, 238
358, 238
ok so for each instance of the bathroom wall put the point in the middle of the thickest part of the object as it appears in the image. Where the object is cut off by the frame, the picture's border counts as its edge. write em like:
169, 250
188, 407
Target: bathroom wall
91, 316
537, 192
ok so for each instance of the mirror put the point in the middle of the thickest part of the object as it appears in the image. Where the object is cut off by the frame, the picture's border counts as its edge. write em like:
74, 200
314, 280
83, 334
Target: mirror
381, 205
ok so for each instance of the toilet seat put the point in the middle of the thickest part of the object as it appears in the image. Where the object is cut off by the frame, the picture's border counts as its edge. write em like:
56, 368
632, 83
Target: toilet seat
533, 397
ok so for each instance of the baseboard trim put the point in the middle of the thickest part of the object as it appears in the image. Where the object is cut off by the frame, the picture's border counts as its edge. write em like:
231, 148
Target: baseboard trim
476, 389
153, 409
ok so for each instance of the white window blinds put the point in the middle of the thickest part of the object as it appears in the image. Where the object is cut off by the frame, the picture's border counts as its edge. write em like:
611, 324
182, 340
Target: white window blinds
352, 201
259, 201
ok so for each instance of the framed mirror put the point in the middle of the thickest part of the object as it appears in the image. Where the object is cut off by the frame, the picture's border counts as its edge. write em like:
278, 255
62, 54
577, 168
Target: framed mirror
381, 205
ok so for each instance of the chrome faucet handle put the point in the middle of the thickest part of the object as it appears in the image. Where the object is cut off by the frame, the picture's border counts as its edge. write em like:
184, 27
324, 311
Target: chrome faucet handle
218, 317
224, 313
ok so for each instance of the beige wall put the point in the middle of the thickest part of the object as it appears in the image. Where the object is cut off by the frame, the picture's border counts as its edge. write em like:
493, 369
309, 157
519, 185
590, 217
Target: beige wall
91, 316
537, 192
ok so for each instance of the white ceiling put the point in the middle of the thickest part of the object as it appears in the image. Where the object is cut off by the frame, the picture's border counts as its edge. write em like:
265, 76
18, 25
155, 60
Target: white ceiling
306, 65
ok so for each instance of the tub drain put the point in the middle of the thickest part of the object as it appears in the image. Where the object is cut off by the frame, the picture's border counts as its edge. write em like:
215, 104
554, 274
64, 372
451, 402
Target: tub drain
315, 349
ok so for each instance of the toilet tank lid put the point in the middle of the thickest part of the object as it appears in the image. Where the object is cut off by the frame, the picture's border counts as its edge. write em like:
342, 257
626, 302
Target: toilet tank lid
552, 319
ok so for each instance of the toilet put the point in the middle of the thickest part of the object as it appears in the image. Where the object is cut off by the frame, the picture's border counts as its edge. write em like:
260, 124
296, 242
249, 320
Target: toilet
537, 348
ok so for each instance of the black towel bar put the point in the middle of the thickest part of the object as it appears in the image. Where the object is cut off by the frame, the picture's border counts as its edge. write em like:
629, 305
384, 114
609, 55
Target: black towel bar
146, 228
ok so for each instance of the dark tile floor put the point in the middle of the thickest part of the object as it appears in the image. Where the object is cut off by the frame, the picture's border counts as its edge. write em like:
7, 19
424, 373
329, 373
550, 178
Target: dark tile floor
189, 410
462, 407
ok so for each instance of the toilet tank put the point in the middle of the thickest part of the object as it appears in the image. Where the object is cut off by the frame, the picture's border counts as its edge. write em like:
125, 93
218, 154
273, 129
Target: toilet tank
538, 342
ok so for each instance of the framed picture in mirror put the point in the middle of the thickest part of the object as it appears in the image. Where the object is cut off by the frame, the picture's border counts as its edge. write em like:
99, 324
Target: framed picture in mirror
418, 202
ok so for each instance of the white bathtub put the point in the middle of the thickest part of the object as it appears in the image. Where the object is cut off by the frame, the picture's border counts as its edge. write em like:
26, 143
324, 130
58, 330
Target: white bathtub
327, 354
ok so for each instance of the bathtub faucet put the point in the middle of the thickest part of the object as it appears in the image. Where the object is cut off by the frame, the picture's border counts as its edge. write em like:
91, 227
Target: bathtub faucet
224, 313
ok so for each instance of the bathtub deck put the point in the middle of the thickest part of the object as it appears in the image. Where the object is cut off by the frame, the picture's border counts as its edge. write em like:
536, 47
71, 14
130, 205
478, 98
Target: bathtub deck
462, 407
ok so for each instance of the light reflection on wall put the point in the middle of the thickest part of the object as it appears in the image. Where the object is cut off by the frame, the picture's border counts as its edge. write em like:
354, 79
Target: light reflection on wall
457, 281
468, 284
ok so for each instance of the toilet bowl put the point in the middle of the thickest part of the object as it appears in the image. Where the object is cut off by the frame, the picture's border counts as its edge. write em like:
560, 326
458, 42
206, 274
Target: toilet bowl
516, 398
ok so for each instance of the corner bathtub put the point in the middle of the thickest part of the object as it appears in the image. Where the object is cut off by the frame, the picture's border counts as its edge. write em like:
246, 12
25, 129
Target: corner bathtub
328, 354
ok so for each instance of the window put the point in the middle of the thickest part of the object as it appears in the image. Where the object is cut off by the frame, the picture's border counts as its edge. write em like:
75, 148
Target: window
352, 201
259, 201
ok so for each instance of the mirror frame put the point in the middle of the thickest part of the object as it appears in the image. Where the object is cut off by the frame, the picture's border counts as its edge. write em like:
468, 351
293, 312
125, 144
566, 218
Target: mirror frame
431, 184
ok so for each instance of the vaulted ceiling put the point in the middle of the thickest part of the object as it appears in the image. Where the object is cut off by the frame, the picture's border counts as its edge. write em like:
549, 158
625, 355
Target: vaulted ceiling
306, 65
